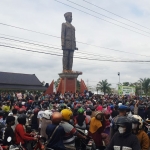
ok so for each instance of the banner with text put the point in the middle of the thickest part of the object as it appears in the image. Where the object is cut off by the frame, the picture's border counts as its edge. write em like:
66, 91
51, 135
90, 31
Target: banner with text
126, 90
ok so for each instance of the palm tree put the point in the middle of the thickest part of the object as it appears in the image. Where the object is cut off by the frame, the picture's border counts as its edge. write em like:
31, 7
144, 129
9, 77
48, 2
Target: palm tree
145, 85
137, 86
104, 86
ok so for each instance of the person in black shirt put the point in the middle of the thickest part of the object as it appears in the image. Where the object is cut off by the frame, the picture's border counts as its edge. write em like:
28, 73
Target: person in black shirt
115, 112
10, 121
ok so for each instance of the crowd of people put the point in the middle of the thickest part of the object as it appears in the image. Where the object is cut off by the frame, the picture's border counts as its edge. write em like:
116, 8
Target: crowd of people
113, 122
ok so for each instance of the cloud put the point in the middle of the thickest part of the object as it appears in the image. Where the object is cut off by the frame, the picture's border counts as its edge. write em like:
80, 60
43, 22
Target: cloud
47, 17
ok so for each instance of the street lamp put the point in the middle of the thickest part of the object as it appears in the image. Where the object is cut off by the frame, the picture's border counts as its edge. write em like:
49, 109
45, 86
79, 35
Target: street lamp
119, 77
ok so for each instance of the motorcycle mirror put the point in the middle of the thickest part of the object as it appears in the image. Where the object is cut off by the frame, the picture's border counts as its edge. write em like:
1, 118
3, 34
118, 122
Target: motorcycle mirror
9, 139
86, 132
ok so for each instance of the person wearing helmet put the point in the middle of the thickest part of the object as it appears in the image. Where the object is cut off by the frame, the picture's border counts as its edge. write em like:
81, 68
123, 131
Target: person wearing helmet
88, 115
122, 112
6, 109
137, 123
21, 111
70, 131
40, 116
124, 139
56, 141
20, 135
46, 120
62, 106
80, 120
34, 120
115, 111
10, 121
29, 104
23, 105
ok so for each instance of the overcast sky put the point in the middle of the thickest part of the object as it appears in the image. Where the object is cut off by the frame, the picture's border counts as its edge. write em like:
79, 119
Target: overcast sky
46, 16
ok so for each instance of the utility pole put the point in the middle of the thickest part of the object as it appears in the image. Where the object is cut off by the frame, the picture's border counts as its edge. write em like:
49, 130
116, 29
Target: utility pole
119, 77
119, 82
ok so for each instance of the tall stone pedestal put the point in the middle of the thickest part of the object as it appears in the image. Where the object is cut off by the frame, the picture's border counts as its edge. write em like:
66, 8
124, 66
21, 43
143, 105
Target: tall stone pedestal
68, 82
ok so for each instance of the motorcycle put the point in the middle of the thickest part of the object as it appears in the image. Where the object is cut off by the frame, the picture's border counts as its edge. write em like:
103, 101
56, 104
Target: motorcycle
148, 129
84, 144
14, 147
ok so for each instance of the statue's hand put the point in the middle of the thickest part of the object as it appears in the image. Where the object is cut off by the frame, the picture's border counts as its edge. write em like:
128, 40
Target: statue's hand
76, 48
63, 47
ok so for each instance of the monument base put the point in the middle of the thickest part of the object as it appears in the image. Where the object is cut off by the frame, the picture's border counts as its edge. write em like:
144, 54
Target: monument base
68, 82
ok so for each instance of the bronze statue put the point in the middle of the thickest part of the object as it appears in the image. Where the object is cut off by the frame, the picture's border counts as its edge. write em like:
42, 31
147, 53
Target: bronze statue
68, 42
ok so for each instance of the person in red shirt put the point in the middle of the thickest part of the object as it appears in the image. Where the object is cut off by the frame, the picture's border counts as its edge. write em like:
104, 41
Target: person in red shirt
20, 134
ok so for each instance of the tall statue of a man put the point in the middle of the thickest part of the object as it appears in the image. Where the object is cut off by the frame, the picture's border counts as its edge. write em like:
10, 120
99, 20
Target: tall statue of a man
68, 42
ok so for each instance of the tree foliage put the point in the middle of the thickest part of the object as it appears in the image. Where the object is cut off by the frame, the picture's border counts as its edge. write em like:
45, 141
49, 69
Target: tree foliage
145, 85
56, 82
126, 83
104, 86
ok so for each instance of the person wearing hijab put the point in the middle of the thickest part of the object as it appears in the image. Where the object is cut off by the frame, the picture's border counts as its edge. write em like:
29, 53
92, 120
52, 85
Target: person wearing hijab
97, 126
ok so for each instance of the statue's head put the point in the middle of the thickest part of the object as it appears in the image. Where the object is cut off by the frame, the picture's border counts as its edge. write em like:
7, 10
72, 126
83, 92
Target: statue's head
68, 16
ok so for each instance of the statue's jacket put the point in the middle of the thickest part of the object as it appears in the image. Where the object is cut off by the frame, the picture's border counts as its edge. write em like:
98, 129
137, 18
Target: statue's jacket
68, 36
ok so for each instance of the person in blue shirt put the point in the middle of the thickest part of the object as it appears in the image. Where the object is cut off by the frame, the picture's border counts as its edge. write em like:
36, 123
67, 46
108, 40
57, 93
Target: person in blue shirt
122, 112
56, 141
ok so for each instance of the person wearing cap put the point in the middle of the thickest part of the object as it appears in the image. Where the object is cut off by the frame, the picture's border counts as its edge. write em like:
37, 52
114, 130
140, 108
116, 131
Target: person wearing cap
68, 42
122, 112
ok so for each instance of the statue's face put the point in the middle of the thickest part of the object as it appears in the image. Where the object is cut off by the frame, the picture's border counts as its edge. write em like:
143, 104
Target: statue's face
69, 18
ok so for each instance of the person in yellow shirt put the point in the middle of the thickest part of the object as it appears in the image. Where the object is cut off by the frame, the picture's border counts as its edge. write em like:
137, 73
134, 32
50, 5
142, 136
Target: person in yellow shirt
6, 109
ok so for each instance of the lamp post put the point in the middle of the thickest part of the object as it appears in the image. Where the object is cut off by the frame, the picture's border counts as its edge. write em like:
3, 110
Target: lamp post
119, 77
119, 83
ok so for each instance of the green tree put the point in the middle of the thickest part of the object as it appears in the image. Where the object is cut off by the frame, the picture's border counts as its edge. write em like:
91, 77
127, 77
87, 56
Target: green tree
145, 85
137, 86
56, 82
104, 86
126, 83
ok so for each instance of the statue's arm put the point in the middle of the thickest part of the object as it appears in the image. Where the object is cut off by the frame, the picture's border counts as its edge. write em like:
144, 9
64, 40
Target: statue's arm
63, 34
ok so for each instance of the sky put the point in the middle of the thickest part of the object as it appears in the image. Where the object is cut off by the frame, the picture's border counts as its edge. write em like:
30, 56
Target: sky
46, 16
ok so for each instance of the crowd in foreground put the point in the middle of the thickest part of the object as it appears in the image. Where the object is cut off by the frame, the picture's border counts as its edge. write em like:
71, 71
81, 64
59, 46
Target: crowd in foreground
113, 122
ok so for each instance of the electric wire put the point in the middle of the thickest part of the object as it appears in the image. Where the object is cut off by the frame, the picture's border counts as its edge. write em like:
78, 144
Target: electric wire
102, 19
95, 55
78, 42
107, 16
116, 14
55, 52
35, 51
47, 46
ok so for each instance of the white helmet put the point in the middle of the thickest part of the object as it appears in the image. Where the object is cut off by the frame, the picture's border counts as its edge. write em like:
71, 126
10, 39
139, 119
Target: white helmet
119, 104
23, 103
140, 120
10, 114
47, 114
